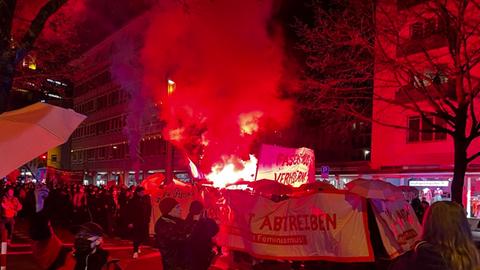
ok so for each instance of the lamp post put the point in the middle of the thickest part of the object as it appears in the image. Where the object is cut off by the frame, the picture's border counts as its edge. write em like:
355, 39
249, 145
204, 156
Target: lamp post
170, 153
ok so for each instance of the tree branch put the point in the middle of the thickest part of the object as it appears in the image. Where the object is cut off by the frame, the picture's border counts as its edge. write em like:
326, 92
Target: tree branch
473, 157
36, 27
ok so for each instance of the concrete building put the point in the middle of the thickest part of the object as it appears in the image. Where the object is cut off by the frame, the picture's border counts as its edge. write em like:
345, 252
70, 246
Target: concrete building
100, 146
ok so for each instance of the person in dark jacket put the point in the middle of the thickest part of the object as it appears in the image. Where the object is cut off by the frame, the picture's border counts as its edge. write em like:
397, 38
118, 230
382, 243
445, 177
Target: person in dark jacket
88, 252
171, 235
139, 212
200, 246
418, 208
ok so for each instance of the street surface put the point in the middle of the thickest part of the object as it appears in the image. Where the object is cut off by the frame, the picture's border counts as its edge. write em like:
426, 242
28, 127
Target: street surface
19, 252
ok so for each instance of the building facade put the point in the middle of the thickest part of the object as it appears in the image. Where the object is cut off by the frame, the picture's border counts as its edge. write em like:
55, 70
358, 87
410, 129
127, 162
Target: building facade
414, 70
100, 145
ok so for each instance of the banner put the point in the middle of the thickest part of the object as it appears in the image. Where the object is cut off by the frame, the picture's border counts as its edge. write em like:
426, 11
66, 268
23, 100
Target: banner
398, 225
323, 226
290, 166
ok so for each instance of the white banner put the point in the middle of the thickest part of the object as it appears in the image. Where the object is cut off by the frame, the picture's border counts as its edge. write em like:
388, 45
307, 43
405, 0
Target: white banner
323, 226
398, 225
289, 166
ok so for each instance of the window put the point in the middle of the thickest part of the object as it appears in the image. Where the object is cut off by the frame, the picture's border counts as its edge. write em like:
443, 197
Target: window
429, 27
421, 129
440, 135
425, 29
416, 30
53, 158
102, 102
114, 98
90, 154
436, 77
427, 135
101, 153
413, 129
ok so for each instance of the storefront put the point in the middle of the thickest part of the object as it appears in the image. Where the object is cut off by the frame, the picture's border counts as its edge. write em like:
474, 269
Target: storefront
432, 189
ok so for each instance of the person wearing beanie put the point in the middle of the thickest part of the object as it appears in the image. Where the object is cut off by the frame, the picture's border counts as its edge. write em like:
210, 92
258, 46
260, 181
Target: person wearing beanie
199, 249
171, 233
196, 209
139, 211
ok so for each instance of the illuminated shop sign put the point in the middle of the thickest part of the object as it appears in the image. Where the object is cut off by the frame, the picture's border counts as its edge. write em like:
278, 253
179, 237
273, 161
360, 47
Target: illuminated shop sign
428, 183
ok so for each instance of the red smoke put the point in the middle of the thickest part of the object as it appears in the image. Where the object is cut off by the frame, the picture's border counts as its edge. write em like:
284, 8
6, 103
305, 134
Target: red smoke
224, 63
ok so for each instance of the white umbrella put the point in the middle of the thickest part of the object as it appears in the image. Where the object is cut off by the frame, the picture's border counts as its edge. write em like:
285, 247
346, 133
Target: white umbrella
374, 189
31, 131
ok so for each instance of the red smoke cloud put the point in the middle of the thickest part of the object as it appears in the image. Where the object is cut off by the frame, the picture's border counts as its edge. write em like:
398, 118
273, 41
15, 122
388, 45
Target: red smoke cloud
225, 65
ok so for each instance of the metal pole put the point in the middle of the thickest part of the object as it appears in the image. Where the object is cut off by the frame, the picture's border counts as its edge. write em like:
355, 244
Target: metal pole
170, 151
3, 258
169, 163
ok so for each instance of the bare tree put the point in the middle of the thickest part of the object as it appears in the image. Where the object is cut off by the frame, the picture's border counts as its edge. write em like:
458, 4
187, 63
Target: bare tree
427, 50
13, 52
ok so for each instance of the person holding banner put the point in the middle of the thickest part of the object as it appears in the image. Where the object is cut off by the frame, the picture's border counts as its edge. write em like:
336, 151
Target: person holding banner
171, 235
200, 245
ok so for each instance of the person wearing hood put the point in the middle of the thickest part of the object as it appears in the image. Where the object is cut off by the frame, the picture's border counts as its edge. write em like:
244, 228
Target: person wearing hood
171, 235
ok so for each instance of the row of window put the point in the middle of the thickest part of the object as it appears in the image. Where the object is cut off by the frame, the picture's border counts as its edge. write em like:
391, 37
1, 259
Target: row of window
112, 125
420, 130
103, 102
148, 147
93, 82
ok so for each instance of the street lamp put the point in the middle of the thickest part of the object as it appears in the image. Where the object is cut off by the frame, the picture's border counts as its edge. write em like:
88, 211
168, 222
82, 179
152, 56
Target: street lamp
170, 87
366, 152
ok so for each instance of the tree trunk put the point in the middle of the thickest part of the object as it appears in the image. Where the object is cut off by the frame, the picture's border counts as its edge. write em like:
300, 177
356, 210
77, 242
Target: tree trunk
460, 146
459, 169
7, 71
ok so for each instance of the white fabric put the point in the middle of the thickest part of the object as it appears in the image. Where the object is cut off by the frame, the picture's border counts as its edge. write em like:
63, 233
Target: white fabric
31, 131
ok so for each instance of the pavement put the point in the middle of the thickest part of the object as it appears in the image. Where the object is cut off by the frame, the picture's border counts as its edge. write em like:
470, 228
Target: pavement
19, 252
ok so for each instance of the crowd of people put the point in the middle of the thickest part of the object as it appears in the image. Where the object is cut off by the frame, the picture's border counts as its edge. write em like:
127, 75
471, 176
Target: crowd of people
91, 212
75, 204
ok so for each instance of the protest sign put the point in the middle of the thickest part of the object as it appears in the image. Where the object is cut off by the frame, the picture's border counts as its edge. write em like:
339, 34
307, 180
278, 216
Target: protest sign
290, 166
398, 225
323, 226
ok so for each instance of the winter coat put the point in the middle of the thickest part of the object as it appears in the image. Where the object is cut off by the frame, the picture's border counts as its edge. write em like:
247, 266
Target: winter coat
171, 237
424, 256
139, 211
200, 244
